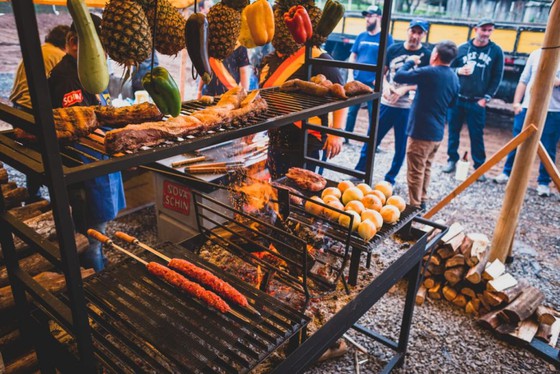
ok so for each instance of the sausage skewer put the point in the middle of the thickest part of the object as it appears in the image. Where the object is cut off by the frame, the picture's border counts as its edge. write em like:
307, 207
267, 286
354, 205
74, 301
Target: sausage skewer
173, 278
200, 275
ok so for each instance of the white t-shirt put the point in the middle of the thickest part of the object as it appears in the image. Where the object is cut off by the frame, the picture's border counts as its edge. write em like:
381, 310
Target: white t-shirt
528, 77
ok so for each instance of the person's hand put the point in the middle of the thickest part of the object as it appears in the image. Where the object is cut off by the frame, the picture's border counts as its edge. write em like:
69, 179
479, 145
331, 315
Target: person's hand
415, 58
466, 69
400, 91
390, 95
482, 103
333, 146
516, 108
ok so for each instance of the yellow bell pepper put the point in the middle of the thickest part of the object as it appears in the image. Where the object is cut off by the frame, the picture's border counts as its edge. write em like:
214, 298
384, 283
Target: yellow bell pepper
245, 36
260, 19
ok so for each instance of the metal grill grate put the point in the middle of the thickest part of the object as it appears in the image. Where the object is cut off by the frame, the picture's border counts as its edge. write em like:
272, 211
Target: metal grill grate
144, 324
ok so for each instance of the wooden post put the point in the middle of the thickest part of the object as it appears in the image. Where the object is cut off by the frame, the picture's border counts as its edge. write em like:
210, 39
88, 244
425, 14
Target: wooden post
489, 164
536, 114
549, 165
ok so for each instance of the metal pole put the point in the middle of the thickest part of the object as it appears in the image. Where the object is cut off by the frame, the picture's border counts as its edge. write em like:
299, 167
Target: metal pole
536, 114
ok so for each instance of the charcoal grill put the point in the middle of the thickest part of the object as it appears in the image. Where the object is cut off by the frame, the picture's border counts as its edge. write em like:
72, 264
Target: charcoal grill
144, 324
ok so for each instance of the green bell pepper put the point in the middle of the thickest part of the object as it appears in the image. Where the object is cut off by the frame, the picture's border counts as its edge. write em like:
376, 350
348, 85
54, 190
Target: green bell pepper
163, 90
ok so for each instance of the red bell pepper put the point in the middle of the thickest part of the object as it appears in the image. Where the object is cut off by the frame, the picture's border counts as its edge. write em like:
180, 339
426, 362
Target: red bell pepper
298, 22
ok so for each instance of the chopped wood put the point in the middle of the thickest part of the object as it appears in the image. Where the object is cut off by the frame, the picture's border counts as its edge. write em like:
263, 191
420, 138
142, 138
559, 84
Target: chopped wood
544, 333
449, 293
494, 270
506, 329
8, 187
490, 320
429, 282
457, 260
15, 197
523, 306
492, 298
526, 330
3, 176
421, 295
554, 333
472, 261
33, 265
454, 230
436, 270
479, 245
545, 315
454, 243
30, 210
465, 247
509, 294
502, 283
483, 301
474, 275
25, 364
474, 304
434, 259
445, 252
455, 275
435, 292
468, 292
460, 301
469, 308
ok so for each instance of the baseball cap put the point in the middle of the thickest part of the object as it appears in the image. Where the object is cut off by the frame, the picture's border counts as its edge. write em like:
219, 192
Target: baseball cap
419, 23
374, 9
485, 21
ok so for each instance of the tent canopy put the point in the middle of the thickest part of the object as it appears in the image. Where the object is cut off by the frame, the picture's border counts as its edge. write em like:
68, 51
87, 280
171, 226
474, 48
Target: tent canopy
101, 3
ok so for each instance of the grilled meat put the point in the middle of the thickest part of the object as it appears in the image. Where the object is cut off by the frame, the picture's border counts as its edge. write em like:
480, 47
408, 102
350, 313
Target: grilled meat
120, 117
306, 179
355, 88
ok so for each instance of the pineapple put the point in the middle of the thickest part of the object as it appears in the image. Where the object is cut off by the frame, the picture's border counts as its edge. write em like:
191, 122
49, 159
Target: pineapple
315, 15
283, 42
170, 31
224, 26
125, 33
236, 4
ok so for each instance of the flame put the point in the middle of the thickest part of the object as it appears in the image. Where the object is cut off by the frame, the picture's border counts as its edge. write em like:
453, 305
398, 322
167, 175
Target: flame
259, 195
260, 276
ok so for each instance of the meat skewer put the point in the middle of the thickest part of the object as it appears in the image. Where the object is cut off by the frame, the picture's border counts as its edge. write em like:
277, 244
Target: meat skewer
173, 278
200, 275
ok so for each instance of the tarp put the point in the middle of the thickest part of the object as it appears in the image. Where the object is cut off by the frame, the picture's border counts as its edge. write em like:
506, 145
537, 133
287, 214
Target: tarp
101, 3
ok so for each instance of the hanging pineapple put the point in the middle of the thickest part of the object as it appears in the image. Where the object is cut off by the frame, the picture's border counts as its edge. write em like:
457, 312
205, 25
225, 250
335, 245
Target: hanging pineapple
224, 26
315, 15
170, 31
125, 33
283, 42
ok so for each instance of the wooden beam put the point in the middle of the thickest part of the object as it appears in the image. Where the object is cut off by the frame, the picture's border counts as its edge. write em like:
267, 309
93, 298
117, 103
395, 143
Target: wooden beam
489, 164
549, 165
536, 115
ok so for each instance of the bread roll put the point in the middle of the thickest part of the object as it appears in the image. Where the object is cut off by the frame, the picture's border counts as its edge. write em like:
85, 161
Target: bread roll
390, 213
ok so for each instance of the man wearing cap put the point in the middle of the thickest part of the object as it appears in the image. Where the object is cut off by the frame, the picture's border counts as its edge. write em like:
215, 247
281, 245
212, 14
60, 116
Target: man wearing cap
365, 51
396, 100
480, 66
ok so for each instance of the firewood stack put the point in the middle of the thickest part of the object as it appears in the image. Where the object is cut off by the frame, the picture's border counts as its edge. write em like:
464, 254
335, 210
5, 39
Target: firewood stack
460, 272
16, 354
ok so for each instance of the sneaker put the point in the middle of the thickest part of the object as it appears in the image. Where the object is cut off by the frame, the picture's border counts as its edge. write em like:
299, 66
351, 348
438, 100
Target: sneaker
450, 167
482, 178
543, 190
501, 179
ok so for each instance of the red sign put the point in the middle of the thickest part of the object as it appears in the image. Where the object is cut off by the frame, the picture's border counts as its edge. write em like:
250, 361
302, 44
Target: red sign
71, 98
176, 197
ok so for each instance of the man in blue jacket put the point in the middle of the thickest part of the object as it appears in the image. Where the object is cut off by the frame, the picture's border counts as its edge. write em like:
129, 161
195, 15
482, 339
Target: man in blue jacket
480, 66
437, 88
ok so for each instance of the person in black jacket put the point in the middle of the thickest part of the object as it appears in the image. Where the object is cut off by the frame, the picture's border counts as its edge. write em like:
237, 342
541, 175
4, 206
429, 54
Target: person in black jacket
480, 66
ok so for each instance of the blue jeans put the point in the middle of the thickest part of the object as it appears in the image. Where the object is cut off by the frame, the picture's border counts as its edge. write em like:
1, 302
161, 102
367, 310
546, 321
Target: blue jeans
353, 114
549, 138
390, 117
475, 116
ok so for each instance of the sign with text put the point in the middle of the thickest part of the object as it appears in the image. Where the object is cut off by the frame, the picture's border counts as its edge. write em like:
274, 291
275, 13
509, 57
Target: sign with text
176, 197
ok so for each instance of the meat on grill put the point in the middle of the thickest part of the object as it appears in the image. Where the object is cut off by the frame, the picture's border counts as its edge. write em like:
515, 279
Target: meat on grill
306, 179
206, 278
128, 115
355, 88
185, 285
70, 124
294, 194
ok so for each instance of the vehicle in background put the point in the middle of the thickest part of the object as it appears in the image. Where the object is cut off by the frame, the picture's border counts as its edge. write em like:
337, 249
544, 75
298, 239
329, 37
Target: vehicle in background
516, 39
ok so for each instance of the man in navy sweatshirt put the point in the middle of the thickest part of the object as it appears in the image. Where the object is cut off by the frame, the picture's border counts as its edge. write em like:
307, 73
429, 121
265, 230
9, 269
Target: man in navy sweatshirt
437, 88
480, 66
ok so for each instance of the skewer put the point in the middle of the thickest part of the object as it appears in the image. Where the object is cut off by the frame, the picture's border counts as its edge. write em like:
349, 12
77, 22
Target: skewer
188, 161
106, 240
131, 239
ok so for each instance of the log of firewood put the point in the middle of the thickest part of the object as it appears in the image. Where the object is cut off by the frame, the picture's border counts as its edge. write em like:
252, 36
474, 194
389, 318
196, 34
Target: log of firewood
509, 294
455, 242
504, 282
545, 315
8, 187
455, 275
449, 293
474, 275
52, 282
523, 306
454, 230
15, 197
526, 330
30, 210
33, 265
436, 269
544, 332
457, 260
554, 333
483, 301
444, 252
490, 320
494, 270
435, 292
460, 301
434, 259
25, 364
3, 176
492, 298
473, 306
429, 282
468, 292
421, 295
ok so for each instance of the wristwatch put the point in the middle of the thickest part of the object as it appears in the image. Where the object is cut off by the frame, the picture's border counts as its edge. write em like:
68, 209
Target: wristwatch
487, 98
